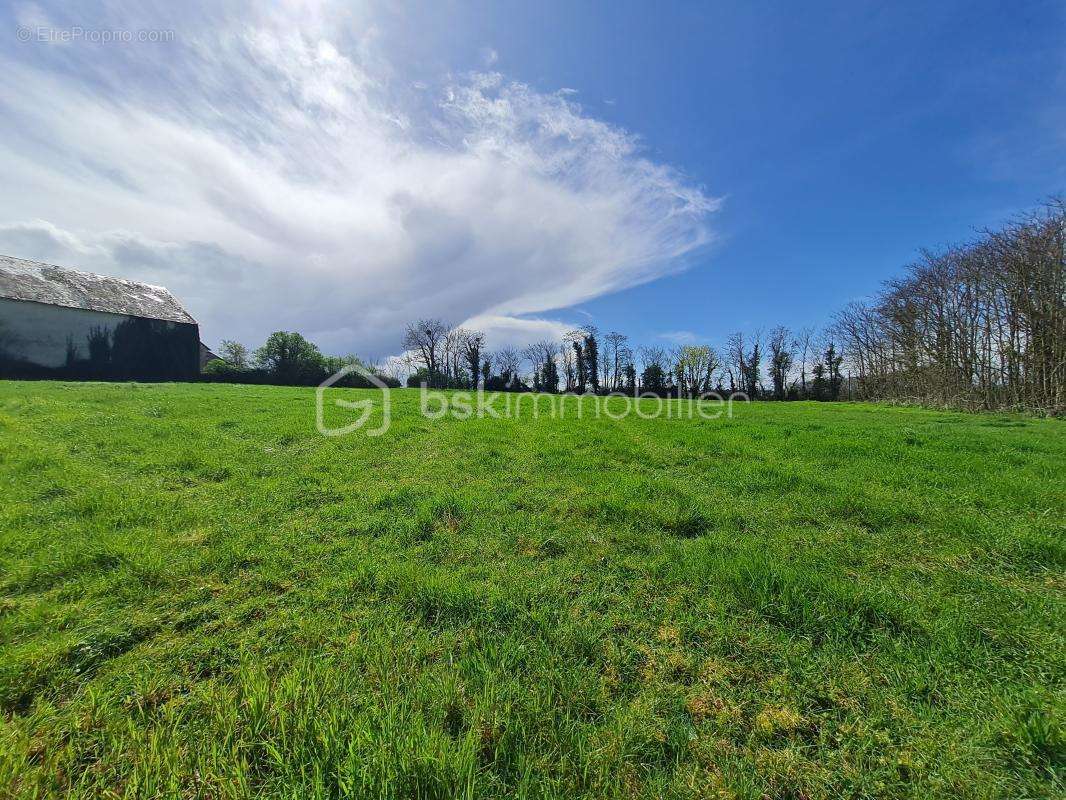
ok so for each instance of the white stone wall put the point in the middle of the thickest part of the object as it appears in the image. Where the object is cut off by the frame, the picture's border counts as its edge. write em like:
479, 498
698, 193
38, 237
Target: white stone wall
38, 333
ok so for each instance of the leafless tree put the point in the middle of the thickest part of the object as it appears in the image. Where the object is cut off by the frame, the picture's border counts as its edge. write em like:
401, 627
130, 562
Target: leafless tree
676, 370
653, 357
656, 369
805, 344
538, 354
605, 368
612, 355
424, 340
980, 326
508, 362
453, 347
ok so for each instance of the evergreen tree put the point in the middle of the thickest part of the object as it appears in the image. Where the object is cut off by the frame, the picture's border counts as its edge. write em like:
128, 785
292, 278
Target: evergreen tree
819, 386
653, 379
592, 360
550, 376
471, 347
752, 370
832, 367
579, 359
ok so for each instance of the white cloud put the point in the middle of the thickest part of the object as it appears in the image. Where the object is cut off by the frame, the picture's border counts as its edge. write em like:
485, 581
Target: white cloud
680, 337
501, 331
275, 170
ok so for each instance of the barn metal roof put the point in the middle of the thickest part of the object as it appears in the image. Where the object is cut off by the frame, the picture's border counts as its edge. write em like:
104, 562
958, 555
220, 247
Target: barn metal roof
38, 282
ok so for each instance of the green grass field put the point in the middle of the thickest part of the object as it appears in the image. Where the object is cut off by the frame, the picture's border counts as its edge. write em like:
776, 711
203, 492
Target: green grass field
202, 596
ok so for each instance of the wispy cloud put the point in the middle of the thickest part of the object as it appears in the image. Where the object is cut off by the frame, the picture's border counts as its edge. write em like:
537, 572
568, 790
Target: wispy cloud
679, 337
276, 170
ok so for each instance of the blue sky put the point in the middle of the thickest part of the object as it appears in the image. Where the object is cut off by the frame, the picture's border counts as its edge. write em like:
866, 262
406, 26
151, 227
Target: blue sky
843, 137
673, 171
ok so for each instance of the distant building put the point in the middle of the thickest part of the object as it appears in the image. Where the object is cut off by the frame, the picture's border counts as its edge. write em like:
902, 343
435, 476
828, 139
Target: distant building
56, 322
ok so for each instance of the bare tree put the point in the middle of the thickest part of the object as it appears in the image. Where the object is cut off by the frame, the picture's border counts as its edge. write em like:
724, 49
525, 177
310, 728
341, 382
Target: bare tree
805, 343
675, 368
653, 356
613, 344
744, 363
543, 356
424, 340
508, 363
453, 347
537, 355
981, 325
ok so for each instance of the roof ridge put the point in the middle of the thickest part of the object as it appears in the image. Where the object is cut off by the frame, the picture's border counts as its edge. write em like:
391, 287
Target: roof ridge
29, 280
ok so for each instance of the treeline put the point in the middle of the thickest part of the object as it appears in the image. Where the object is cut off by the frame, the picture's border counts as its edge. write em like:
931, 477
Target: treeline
780, 366
288, 359
981, 325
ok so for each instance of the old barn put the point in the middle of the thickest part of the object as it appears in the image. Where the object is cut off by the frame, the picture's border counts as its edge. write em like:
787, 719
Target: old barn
58, 322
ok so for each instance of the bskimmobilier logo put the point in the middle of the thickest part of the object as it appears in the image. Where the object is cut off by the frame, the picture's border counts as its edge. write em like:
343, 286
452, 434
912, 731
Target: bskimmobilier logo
435, 404
366, 406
